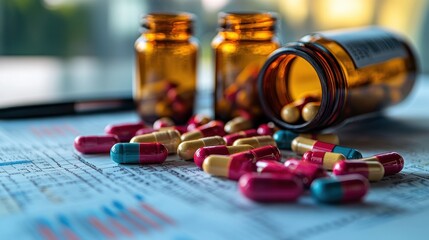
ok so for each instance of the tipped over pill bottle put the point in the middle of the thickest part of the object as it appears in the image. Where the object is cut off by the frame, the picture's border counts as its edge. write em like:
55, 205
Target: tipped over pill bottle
241, 47
330, 77
166, 65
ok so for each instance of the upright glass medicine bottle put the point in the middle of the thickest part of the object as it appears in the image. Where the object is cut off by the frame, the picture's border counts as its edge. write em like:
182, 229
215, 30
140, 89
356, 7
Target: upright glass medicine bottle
353, 72
166, 63
241, 47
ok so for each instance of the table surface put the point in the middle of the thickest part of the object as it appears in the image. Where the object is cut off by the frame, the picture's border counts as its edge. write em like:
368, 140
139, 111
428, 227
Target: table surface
48, 190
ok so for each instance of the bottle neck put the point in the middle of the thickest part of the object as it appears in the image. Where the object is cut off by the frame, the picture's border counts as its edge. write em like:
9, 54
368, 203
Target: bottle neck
247, 26
276, 85
166, 26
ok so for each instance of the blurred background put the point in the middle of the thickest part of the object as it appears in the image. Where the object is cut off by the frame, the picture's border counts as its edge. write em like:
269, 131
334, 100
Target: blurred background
74, 45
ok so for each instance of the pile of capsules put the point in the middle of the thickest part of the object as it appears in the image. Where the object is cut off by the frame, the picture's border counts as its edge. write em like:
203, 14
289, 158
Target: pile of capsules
250, 156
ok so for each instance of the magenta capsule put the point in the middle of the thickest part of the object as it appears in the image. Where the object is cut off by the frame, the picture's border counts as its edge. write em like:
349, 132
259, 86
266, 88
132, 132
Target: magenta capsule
373, 170
305, 170
271, 166
213, 128
95, 144
236, 165
341, 189
204, 152
124, 131
392, 162
266, 129
163, 122
142, 153
270, 187
230, 138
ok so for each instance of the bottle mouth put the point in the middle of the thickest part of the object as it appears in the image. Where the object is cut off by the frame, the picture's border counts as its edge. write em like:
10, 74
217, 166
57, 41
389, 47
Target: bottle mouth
168, 22
247, 21
294, 72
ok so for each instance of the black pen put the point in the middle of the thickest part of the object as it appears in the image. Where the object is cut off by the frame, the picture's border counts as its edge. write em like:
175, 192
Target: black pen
67, 108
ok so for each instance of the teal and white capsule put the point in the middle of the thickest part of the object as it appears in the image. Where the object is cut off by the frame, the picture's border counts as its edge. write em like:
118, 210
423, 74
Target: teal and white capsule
301, 145
341, 189
138, 153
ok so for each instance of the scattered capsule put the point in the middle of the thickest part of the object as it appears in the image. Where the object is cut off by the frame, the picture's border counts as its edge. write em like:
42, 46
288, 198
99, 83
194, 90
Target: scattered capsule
238, 124
266, 129
143, 153
181, 129
310, 110
204, 152
163, 122
291, 113
197, 120
213, 128
124, 131
341, 189
270, 187
391, 161
284, 138
256, 142
187, 149
300, 145
271, 166
236, 165
326, 159
170, 139
306, 171
95, 144
230, 138
374, 171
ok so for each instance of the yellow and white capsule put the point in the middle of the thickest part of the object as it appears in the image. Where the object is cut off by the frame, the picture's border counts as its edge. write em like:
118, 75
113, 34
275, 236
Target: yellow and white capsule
170, 139
258, 141
187, 149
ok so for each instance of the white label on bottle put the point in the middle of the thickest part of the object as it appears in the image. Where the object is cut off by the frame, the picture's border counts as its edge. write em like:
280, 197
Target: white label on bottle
369, 45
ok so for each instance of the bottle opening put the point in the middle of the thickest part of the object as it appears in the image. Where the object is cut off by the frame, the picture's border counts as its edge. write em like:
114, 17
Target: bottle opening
291, 84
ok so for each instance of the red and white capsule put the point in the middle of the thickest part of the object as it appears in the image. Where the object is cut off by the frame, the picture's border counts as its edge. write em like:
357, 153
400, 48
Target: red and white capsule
95, 144
124, 131
270, 187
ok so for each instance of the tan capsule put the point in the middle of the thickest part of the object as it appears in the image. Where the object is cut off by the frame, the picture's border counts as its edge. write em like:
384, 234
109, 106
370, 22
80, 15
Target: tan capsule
290, 113
217, 165
310, 110
187, 149
238, 124
301, 145
170, 139
256, 142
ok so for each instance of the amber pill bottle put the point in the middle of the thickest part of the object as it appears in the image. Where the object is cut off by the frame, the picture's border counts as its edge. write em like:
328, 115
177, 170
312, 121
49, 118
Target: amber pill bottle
166, 65
354, 72
241, 47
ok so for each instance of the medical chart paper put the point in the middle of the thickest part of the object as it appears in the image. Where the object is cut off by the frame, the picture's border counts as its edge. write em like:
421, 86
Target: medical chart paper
50, 191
